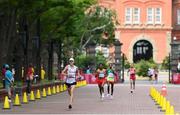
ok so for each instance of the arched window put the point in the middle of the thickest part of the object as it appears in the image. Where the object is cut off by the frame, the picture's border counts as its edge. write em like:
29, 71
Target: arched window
142, 50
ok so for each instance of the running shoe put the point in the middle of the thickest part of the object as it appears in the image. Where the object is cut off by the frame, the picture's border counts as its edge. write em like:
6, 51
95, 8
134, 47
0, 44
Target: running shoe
70, 106
102, 97
131, 91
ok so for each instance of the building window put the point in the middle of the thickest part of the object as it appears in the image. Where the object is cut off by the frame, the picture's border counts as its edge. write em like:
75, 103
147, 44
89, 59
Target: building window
104, 50
132, 15
136, 15
154, 15
150, 16
178, 16
158, 16
128, 14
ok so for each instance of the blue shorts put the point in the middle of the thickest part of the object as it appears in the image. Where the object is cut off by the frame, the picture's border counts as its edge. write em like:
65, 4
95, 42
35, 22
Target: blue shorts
8, 88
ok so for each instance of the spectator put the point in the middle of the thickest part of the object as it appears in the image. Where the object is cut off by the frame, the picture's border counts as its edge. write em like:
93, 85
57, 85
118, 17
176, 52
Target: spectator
88, 70
178, 66
29, 78
13, 70
3, 73
150, 73
42, 73
8, 81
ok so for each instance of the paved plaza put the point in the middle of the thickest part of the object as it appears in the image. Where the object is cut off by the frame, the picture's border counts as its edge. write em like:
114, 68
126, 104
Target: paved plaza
87, 101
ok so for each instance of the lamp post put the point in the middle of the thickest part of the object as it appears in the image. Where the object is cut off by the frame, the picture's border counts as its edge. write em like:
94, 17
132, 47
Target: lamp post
118, 59
173, 57
25, 38
91, 52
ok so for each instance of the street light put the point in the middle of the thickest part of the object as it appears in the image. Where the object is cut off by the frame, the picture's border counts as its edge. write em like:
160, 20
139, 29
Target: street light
118, 63
91, 52
173, 57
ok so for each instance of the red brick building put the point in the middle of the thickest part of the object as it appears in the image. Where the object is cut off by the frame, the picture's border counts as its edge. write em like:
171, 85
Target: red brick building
146, 27
176, 20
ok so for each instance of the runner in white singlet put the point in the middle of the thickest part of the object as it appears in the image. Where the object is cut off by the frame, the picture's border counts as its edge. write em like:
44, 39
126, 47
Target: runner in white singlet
71, 72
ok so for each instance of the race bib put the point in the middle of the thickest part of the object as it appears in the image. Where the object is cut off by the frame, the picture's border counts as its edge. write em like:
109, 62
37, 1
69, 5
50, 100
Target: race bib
71, 75
101, 75
70, 80
110, 75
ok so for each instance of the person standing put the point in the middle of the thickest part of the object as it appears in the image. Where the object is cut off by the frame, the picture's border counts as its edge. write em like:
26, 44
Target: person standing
110, 80
71, 73
9, 79
156, 75
132, 72
42, 73
29, 78
101, 79
3, 74
178, 65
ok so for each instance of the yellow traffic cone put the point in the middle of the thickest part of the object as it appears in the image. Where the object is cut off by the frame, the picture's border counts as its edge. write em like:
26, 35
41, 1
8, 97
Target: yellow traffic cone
32, 96
17, 102
49, 91
6, 103
80, 83
54, 90
57, 89
159, 99
85, 82
61, 88
25, 100
38, 95
164, 105
171, 112
44, 92
167, 107
65, 87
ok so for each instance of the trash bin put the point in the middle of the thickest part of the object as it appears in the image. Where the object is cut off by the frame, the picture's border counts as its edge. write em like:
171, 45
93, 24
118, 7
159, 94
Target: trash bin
176, 78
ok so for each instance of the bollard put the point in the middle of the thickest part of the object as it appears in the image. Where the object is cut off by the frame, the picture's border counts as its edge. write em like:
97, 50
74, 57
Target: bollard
54, 90
25, 100
17, 101
164, 105
6, 103
44, 92
38, 95
49, 91
32, 96
57, 89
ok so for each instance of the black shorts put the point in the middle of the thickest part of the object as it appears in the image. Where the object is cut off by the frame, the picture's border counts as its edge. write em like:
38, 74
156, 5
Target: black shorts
70, 84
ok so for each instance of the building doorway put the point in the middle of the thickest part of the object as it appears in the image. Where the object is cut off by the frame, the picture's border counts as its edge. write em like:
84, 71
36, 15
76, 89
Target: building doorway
142, 49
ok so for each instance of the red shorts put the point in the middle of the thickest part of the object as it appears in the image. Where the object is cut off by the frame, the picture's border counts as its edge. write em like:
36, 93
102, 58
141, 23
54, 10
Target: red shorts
133, 77
100, 80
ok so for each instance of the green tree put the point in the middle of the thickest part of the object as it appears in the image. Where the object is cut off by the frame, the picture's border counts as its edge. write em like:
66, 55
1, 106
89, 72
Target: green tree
165, 63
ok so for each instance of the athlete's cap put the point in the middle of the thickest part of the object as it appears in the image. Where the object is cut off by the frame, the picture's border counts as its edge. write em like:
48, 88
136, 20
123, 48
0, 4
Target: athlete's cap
71, 59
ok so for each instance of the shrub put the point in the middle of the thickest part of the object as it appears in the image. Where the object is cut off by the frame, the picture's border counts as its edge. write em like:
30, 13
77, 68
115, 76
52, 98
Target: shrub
165, 63
83, 61
143, 66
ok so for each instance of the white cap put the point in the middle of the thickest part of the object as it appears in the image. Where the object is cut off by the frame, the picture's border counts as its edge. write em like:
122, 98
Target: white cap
71, 59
